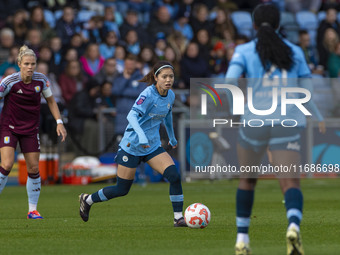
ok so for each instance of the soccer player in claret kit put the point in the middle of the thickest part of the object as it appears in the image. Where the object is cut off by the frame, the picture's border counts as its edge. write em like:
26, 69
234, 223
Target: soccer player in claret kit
271, 56
19, 123
141, 142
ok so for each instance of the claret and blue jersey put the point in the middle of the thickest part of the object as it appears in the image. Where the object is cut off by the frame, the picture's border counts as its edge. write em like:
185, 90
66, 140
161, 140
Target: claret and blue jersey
152, 109
21, 111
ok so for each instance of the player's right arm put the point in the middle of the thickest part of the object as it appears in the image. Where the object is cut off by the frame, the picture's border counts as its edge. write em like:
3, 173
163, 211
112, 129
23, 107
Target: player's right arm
138, 110
235, 70
4, 86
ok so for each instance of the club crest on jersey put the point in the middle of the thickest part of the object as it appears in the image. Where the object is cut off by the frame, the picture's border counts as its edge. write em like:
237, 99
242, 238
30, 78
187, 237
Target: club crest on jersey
168, 105
141, 100
6, 139
37, 89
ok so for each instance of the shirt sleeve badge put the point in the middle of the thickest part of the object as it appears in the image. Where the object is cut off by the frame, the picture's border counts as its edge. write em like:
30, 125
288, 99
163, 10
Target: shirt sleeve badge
141, 100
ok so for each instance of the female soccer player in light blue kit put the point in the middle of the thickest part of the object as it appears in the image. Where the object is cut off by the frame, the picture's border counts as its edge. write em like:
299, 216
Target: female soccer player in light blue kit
266, 58
141, 142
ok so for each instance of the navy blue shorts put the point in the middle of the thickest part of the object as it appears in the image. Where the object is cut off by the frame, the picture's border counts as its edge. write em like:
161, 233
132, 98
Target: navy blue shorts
125, 159
275, 138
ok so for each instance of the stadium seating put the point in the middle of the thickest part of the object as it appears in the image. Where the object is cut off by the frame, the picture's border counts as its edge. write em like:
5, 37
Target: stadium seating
290, 27
309, 21
85, 15
243, 22
321, 16
49, 17
58, 14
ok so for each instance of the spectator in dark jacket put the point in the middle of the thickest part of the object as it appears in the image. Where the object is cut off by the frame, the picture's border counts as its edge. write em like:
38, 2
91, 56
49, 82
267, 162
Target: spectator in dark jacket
66, 26
161, 23
37, 21
131, 23
8, 8
126, 89
193, 65
82, 116
200, 19
107, 73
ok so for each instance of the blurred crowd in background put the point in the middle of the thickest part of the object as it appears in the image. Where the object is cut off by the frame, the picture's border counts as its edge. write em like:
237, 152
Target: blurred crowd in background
94, 52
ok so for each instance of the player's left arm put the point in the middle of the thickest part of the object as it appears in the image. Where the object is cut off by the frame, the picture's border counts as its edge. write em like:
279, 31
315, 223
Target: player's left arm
170, 129
52, 105
306, 82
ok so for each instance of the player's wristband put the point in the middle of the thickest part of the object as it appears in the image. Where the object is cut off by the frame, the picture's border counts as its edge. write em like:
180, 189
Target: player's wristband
59, 121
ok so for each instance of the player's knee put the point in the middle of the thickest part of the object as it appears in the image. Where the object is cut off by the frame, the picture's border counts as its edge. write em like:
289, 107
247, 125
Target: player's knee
247, 183
34, 169
123, 187
171, 174
7, 165
123, 192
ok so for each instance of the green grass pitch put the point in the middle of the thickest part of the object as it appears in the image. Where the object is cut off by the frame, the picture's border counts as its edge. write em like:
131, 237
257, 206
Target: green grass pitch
141, 223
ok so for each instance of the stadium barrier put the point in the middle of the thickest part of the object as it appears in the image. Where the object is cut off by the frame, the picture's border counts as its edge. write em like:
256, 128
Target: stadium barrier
48, 168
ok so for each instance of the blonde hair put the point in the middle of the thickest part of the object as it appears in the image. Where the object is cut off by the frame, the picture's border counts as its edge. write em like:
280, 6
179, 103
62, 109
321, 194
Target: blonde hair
25, 51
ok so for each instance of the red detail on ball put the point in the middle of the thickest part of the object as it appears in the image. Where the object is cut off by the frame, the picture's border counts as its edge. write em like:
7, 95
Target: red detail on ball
204, 212
192, 220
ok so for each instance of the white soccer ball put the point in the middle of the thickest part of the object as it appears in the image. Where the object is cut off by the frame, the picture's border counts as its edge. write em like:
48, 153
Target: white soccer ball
197, 215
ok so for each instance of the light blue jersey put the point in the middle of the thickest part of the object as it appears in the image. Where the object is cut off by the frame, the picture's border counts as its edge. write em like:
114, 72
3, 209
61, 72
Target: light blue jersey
247, 61
152, 109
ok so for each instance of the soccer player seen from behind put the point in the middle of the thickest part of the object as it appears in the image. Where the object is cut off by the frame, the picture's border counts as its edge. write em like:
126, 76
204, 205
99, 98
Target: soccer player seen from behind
141, 142
19, 123
268, 55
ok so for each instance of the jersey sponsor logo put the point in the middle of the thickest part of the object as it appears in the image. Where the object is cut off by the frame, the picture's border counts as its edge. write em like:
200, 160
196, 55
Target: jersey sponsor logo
20, 91
156, 116
7, 140
125, 158
37, 89
293, 146
10, 126
141, 100
47, 83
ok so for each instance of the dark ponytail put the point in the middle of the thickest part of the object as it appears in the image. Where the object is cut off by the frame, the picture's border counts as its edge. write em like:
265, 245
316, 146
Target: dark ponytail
270, 47
150, 77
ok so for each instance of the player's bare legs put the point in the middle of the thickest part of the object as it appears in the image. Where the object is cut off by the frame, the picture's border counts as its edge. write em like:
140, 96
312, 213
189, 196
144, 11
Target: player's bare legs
126, 173
161, 162
33, 184
164, 164
287, 158
7, 161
